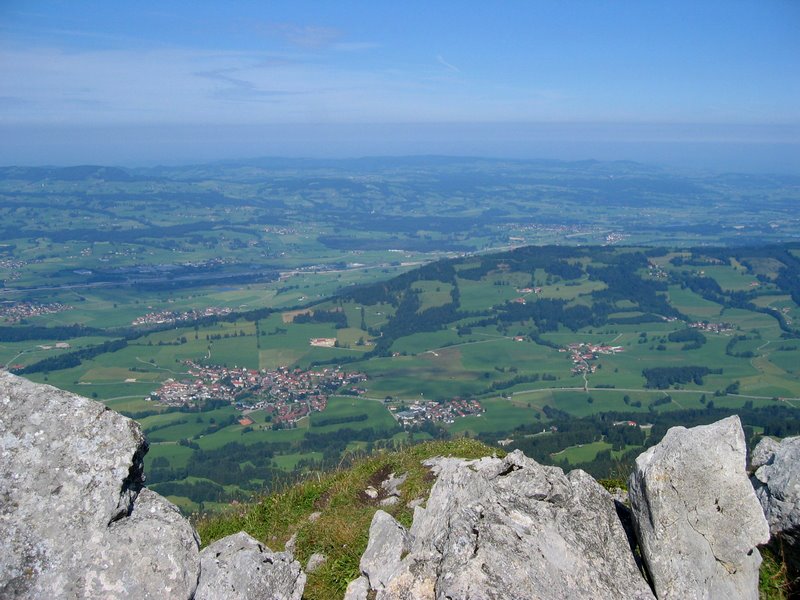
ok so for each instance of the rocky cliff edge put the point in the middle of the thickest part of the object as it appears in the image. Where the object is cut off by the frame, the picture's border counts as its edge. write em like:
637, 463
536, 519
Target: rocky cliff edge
77, 521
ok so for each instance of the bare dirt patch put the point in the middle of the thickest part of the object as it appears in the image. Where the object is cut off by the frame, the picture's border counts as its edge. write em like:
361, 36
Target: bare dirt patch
289, 316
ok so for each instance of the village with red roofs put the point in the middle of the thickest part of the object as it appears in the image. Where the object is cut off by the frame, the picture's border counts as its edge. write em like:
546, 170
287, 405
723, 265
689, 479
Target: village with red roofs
286, 394
582, 352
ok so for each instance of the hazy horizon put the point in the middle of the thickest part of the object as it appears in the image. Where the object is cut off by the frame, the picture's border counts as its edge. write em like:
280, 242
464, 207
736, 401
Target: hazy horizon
710, 85
134, 146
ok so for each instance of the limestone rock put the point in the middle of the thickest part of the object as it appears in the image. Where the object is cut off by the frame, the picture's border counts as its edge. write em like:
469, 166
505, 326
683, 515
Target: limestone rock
415, 502
162, 537
777, 486
238, 567
73, 517
291, 544
697, 518
388, 541
315, 561
511, 528
393, 483
358, 589
763, 453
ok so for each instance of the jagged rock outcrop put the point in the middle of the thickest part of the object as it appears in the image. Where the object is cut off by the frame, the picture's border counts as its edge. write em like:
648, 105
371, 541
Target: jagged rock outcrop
388, 543
776, 480
358, 589
507, 528
238, 567
697, 518
73, 518
764, 452
76, 521
391, 487
777, 484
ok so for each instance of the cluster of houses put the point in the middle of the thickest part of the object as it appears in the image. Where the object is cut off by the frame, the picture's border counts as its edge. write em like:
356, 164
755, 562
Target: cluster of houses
11, 263
713, 327
614, 238
13, 266
284, 414
656, 271
582, 352
173, 316
526, 291
540, 228
13, 312
280, 230
529, 290
444, 412
286, 394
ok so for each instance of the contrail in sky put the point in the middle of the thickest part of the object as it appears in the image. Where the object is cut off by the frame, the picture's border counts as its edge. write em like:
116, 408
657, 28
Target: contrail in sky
446, 64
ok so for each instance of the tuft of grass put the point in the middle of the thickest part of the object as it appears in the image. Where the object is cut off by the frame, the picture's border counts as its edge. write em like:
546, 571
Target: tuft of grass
614, 483
341, 529
773, 579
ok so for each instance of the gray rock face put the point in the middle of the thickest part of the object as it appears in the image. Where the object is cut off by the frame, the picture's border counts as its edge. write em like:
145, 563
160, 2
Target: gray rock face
764, 452
393, 483
510, 528
697, 518
388, 542
358, 589
157, 539
74, 520
315, 561
777, 485
238, 567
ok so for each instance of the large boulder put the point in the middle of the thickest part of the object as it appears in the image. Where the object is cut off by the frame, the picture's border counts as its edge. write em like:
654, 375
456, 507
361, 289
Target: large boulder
777, 484
358, 589
776, 480
74, 519
696, 515
509, 528
388, 543
238, 567
764, 452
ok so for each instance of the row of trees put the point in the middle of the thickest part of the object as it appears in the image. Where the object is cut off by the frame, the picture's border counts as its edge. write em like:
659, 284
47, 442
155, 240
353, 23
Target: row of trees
565, 431
664, 377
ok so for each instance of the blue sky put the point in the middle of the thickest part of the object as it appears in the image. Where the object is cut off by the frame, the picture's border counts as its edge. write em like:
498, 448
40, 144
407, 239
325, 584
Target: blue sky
141, 82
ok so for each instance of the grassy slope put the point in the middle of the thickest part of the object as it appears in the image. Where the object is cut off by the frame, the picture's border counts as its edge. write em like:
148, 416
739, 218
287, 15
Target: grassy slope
342, 529
344, 512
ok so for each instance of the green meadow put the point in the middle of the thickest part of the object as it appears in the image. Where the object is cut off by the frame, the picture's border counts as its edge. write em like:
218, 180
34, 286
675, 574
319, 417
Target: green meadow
487, 345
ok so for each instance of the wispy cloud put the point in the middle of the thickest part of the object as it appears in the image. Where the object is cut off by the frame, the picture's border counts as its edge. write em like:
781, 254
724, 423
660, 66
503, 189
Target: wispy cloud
182, 85
450, 67
301, 36
239, 88
52, 85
